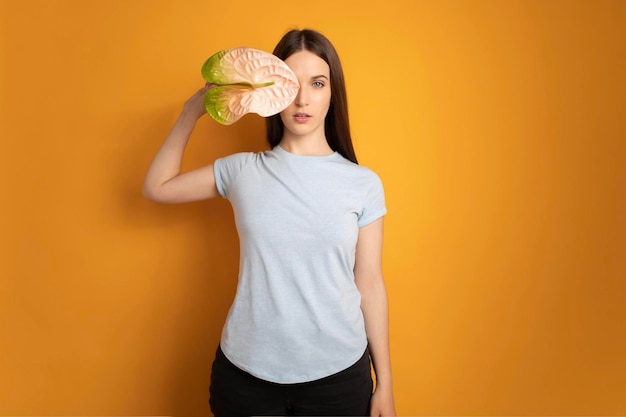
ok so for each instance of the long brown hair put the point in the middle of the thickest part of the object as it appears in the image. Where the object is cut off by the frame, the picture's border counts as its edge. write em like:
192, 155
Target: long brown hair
336, 125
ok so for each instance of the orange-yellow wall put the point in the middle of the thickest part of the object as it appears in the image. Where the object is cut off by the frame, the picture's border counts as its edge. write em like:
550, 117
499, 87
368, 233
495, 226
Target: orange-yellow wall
498, 128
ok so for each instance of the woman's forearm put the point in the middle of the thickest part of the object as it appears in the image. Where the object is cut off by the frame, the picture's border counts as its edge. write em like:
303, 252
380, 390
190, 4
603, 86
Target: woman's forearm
376, 315
168, 160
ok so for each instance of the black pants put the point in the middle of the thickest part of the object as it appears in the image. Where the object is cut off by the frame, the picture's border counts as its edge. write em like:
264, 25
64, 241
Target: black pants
236, 393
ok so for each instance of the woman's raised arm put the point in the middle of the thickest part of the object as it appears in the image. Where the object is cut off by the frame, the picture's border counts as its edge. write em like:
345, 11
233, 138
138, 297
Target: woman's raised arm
164, 183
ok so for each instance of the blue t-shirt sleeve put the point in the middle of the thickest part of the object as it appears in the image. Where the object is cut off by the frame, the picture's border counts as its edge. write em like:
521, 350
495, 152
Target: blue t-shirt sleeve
374, 205
227, 170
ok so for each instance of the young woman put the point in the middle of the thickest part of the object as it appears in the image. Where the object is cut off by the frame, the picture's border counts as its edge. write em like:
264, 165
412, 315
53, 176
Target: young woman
311, 305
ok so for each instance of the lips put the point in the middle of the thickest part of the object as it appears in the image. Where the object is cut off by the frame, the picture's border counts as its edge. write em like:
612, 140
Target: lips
301, 117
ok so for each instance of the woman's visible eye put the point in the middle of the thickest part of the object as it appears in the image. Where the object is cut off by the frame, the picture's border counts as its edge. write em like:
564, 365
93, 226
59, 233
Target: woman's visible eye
318, 84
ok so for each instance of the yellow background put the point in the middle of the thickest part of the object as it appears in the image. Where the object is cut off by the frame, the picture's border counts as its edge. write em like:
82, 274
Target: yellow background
498, 128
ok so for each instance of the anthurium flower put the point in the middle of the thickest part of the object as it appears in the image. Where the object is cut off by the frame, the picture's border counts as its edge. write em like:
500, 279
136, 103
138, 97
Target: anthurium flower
248, 81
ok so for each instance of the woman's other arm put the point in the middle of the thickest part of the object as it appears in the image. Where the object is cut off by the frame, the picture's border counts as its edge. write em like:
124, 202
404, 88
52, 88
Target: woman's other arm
164, 183
369, 280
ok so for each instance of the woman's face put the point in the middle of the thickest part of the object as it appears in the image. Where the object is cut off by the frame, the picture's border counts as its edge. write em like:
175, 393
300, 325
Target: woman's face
306, 114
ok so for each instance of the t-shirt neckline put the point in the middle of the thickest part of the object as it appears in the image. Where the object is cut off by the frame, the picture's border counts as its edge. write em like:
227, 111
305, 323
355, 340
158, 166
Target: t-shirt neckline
279, 149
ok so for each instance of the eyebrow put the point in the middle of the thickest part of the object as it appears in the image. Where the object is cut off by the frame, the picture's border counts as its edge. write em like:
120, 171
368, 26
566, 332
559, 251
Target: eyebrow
319, 76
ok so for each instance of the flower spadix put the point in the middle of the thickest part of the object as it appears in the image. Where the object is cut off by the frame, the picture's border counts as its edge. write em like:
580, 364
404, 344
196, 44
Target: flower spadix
247, 81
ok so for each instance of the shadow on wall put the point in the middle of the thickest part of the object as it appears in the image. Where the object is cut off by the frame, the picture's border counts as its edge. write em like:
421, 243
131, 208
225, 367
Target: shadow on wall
195, 250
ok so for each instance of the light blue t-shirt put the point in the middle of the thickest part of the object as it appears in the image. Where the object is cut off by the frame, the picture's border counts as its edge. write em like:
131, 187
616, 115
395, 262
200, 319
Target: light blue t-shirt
297, 314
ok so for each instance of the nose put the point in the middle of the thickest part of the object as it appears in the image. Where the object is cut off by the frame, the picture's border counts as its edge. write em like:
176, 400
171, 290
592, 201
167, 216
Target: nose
301, 98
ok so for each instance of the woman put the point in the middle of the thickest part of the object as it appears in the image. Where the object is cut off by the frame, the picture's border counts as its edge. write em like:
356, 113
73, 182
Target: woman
311, 305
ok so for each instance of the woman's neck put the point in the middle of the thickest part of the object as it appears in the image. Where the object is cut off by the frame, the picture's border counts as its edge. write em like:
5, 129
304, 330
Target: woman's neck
306, 146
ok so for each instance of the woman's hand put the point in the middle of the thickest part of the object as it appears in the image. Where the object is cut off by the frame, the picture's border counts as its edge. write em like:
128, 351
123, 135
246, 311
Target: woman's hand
382, 403
194, 106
